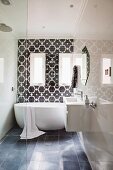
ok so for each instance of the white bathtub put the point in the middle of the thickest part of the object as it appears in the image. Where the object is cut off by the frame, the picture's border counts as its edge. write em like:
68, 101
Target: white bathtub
49, 116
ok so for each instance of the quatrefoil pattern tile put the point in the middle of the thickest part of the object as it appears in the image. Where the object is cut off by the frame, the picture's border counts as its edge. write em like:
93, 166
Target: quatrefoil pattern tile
52, 47
51, 92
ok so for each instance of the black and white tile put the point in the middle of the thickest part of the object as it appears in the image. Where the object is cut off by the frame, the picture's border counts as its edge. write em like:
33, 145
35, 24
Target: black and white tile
51, 92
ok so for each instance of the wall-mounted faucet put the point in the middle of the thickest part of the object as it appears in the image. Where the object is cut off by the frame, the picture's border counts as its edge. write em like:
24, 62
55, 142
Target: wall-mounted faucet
78, 93
93, 105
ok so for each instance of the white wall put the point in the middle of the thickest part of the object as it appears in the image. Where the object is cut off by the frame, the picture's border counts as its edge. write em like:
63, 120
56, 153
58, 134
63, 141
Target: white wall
8, 51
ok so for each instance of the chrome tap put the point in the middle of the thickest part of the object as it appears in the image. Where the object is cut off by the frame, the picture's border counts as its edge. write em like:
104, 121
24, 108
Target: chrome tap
79, 92
93, 105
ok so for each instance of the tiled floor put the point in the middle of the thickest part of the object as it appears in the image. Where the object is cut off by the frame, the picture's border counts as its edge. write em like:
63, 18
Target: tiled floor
55, 150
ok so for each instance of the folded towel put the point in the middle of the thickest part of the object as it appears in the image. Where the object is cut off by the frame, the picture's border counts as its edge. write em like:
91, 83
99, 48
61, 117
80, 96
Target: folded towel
30, 130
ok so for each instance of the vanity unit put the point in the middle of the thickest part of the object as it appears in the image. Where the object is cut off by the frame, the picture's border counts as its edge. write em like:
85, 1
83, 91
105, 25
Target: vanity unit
78, 117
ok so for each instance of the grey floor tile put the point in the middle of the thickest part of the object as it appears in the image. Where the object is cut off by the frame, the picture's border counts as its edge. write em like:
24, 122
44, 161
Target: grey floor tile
20, 145
34, 165
24, 164
23, 167
51, 139
82, 156
3, 156
47, 147
1, 168
69, 154
64, 146
29, 152
52, 133
65, 141
15, 132
50, 143
70, 165
9, 140
63, 132
85, 166
10, 165
54, 150
49, 165
64, 138
16, 155
77, 142
46, 156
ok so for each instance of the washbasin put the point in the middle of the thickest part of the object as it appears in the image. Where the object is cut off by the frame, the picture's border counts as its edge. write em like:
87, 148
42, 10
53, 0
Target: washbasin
72, 100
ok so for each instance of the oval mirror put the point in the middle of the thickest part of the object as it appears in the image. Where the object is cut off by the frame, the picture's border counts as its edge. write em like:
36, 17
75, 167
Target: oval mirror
85, 66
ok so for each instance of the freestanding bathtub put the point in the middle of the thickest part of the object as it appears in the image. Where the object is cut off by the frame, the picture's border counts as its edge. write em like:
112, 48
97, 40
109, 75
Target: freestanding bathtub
48, 116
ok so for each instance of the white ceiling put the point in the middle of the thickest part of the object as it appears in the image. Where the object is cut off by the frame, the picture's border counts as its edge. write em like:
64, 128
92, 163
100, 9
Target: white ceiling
56, 16
14, 16
89, 19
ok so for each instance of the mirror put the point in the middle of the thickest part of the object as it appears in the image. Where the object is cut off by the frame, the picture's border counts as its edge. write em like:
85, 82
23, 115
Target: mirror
85, 70
69, 60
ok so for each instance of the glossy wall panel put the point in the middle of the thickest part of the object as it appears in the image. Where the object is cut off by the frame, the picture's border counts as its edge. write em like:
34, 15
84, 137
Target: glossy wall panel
13, 25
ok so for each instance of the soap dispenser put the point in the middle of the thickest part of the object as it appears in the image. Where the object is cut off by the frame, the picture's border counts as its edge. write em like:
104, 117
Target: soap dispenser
86, 101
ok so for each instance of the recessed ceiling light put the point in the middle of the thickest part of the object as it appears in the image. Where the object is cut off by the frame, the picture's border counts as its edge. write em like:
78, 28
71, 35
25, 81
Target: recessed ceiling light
6, 2
71, 6
43, 27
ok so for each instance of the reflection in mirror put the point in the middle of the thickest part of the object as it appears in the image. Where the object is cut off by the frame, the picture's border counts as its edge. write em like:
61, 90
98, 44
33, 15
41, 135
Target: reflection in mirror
68, 60
107, 69
65, 75
81, 61
85, 66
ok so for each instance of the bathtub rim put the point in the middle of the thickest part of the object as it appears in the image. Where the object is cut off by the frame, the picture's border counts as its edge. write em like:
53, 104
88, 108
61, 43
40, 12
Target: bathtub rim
41, 104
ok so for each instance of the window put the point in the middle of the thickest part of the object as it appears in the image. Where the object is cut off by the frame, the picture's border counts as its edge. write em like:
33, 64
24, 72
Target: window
65, 69
107, 69
37, 69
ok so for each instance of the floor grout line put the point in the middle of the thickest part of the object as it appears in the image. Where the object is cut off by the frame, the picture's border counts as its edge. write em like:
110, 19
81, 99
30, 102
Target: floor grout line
61, 140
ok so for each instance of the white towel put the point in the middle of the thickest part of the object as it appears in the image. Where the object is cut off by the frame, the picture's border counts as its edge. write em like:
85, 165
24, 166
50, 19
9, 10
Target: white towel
30, 130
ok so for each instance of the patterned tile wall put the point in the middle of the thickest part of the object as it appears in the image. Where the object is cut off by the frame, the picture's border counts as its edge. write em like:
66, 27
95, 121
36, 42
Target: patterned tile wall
51, 91
96, 48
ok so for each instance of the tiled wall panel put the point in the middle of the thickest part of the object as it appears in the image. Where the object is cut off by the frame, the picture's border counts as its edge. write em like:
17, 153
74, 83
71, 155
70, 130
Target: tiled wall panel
51, 91
52, 47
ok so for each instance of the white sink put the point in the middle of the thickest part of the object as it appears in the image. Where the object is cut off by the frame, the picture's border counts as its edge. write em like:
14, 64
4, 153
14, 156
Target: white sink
72, 100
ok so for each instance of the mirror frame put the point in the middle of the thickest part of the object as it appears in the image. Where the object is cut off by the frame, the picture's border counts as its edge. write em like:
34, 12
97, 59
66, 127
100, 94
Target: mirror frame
85, 51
